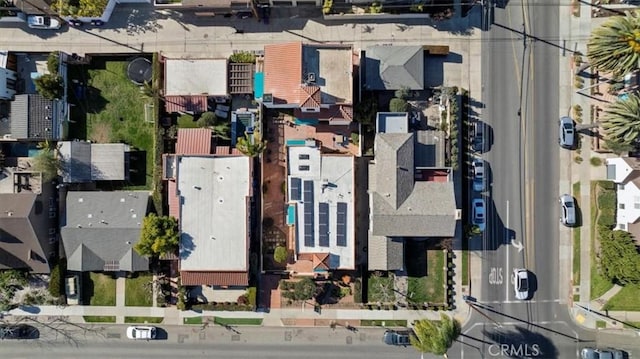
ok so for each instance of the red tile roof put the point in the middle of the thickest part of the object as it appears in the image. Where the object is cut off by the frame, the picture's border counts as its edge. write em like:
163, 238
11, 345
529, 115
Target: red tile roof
283, 72
226, 150
193, 141
215, 278
190, 104
310, 96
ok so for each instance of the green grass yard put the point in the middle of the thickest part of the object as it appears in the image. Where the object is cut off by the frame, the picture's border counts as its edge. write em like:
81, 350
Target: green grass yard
237, 321
97, 319
576, 241
380, 289
626, 299
143, 320
385, 323
138, 291
599, 284
99, 289
192, 320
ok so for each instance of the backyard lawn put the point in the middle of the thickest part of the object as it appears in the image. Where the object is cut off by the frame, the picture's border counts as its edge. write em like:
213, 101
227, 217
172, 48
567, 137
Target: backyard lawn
138, 292
426, 273
380, 289
99, 289
111, 109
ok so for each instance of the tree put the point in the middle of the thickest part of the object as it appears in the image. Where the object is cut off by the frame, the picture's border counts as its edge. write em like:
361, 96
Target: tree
159, 236
53, 62
220, 128
47, 161
619, 258
280, 254
432, 336
614, 46
251, 145
49, 86
398, 105
621, 121
304, 289
403, 93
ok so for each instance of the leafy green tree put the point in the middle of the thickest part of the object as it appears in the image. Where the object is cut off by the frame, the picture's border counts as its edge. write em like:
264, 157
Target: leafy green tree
280, 254
614, 46
398, 105
219, 127
53, 62
365, 110
621, 121
403, 93
619, 258
159, 236
49, 86
434, 336
251, 145
47, 161
304, 289
207, 119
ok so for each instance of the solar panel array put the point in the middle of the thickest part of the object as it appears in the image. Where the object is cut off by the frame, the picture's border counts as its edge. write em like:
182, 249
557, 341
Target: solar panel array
308, 214
342, 224
323, 225
295, 192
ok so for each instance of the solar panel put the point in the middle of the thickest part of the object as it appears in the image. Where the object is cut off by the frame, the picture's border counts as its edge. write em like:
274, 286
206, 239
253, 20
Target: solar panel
295, 191
308, 191
309, 241
342, 225
323, 224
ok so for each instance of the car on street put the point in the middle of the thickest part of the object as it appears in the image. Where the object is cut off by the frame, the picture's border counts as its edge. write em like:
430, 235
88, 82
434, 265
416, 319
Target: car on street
566, 135
520, 280
43, 22
394, 337
567, 210
141, 332
479, 213
593, 353
477, 137
479, 180
18, 331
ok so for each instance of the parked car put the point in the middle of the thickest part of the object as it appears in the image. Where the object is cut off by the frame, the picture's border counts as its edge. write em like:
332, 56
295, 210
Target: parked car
479, 213
18, 331
567, 210
593, 353
393, 337
477, 137
43, 22
72, 289
566, 136
520, 280
141, 332
479, 182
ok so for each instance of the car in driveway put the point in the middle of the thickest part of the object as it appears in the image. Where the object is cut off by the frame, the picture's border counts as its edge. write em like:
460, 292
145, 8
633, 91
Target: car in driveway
567, 210
520, 280
566, 135
72, 289
394, 337
141, 332
43, 22
479, 213
593, 353
479, 182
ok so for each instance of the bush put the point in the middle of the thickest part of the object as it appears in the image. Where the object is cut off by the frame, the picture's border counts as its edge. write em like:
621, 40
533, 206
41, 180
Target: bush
596, 161
55, 280
242, 300
280, 254
327, 7
186, 121
251, 296
285, 285
578, 159
244, 57
304, 289
53, 62
610, 185
398, 105
357, 291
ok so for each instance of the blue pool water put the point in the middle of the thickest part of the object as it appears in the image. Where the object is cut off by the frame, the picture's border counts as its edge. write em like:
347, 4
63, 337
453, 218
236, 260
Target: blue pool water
307, 122
258, 85
291, 215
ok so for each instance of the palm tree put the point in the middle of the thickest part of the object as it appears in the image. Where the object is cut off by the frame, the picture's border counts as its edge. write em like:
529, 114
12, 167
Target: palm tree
615, 45
251, 145
621, 121
433, 336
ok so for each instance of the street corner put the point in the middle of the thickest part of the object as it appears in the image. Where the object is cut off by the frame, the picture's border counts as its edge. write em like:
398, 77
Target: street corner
581, 317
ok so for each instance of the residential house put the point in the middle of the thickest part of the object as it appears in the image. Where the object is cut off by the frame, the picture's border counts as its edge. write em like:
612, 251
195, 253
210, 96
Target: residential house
190, 82
315, 81
100, 229
27, 231
8, 78
411, 193
393, 68
625, 172
320, 190
83, 161
210, 193
32, 117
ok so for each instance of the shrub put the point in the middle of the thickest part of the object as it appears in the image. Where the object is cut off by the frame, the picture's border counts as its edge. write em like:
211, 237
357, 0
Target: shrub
280, 254
578, 159
251, 296
398, 105
55, 280
327, 7
186, 121
355, 138
608, 185
304, 289
243, 300
357, 291
596, 161
286, 285
53, 62
244, 57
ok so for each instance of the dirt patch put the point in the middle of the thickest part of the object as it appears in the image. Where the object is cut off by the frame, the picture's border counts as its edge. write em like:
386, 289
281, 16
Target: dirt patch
101, 133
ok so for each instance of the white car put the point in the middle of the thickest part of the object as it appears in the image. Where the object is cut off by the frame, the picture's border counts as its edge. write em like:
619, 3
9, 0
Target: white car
479, 180
43, 22
566, 134
141, 333
479, 213
520, 280
567, 210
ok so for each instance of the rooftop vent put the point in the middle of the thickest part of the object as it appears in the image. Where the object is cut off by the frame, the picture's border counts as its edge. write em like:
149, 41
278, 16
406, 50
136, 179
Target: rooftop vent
311, 77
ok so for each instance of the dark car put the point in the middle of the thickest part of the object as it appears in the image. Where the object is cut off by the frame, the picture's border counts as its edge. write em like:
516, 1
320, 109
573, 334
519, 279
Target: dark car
18, 331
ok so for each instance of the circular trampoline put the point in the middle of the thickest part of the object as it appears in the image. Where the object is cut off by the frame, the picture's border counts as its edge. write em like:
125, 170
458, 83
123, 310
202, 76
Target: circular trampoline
139, 71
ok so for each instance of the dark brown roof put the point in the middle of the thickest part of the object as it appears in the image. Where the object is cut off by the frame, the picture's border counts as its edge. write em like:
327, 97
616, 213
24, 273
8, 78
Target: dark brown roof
235, 279
188, 104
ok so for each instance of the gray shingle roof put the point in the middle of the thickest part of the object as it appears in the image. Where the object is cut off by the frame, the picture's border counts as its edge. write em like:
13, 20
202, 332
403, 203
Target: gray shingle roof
20, 246
31, 117
85, 162
76, 161
385, 253
393, 67
394, 163
103, 227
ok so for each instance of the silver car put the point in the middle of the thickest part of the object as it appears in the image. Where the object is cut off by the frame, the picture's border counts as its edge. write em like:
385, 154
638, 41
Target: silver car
567, 210
479, 180
593, 353
566, 135
43, 22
